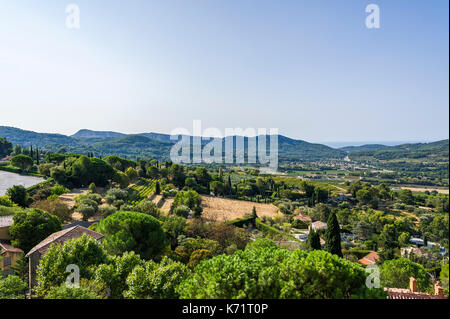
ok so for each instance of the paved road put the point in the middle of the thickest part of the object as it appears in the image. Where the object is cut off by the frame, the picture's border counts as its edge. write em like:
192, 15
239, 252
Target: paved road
8, 179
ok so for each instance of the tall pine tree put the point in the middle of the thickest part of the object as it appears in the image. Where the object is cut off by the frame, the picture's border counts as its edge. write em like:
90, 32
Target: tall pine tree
333, 236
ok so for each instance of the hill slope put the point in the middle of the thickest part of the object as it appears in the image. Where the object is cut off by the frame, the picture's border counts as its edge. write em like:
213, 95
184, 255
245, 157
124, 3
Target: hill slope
156, 145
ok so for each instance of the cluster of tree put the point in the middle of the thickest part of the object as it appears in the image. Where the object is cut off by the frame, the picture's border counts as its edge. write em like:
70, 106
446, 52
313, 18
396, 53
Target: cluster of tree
264, 271
82, 171
88, 205
185, 202
366, 194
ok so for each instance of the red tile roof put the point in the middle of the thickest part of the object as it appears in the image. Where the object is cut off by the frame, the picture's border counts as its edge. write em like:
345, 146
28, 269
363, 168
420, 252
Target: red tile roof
62, 236
398, 293
369, 259
5, 247
303, 218
319, 225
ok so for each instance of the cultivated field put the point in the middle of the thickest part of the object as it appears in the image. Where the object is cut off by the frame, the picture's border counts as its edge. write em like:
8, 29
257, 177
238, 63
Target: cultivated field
166, 205
223, 209
430, 189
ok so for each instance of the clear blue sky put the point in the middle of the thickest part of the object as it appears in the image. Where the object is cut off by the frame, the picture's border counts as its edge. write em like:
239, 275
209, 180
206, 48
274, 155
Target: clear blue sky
310, 68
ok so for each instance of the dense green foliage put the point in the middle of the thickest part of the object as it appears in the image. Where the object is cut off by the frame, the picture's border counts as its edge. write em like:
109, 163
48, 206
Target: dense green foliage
396, 273
333, 236
83, 252
21, 161
276, 273
32, 226
190, 199
18, 195
156, 281
133, 231
12, 287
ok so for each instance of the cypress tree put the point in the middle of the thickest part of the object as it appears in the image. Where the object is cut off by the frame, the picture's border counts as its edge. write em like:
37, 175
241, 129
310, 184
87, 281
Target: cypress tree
333, 236
254, 212
229, 187
313, 241
157, 188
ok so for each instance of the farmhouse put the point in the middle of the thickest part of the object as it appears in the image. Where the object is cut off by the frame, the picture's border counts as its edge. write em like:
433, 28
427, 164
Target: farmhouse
9, 256
319, 225
303, 217
59, 238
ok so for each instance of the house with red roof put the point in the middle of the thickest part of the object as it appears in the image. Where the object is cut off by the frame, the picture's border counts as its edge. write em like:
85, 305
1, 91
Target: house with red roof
58, 238
413, 293
319, 225
8, 257
369, 259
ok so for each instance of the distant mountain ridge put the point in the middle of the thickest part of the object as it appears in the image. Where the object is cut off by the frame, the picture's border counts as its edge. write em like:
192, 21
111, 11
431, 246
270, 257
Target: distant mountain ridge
362, 148
158, 145
84, 133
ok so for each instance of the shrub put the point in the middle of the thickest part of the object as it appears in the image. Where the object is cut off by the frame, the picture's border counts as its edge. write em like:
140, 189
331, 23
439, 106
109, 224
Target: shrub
93, 188
261, 243
182, 211
148, 207
95, 197
197, 256
12, 287
107, 210
156, 281
18, 194
58, 190
44, 169
187, 246
5, 201
115, 194
87, 290
86, 210
55, 207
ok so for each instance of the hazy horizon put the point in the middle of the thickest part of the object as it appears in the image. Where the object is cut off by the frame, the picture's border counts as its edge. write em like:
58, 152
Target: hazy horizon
312, 69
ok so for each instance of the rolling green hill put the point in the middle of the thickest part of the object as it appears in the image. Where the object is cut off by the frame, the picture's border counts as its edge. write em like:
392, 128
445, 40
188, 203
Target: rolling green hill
156, 145
436, 150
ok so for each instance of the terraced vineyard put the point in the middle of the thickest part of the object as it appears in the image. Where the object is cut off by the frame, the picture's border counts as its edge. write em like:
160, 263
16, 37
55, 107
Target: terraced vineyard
142, 191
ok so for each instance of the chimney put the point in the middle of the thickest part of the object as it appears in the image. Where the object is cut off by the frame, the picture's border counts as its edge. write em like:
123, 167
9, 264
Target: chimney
413, 284
438, 290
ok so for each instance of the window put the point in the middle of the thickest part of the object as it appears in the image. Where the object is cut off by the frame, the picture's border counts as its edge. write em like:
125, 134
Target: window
7, 261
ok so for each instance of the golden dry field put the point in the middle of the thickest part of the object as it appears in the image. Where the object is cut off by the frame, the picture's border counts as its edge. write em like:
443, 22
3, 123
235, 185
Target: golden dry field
224, 209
